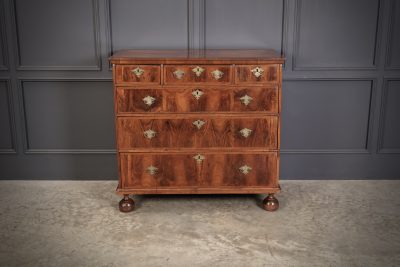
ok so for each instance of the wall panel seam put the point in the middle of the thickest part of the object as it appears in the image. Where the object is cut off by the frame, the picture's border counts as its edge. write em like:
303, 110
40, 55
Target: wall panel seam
3, 37
389, 39
382, 114
11, 119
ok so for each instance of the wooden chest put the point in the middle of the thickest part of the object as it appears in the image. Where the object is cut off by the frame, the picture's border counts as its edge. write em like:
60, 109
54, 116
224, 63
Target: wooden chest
197, 122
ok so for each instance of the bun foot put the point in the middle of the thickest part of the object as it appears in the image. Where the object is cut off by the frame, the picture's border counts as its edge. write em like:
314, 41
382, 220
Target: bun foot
270, 203
126, 204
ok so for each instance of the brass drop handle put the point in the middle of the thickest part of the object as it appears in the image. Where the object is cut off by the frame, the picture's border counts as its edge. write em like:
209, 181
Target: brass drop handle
199, 123
149, 134
138, 71
217, 74
149, 100
198, 70
257, 71
197, 93
152, 170
199, 158
179, 74
245, 169
246, 132
246, 99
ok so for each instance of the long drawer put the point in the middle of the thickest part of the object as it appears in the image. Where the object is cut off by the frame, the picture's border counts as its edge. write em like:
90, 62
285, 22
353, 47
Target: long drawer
197, 132
194, 170
197, 99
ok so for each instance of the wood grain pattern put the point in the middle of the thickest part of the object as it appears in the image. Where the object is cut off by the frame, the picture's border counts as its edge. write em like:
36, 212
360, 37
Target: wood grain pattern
212, 99
239, 140
243, 74
263, 99
151, 74
182, 170
220, 99
132, 100
190, 77
181, 133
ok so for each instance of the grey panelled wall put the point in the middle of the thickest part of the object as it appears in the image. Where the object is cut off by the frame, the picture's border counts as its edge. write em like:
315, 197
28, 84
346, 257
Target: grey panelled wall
341, 89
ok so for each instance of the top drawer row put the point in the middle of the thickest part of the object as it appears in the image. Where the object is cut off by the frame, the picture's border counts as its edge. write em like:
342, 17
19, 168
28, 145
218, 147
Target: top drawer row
189, 74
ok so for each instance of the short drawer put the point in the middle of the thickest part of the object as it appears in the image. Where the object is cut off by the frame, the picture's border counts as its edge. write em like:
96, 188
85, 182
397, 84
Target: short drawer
135, 74
139, 100
201, 132
197, 99
187, 74
255, 74
198, 169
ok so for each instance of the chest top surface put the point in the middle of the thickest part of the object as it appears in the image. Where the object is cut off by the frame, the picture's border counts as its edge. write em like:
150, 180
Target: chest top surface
208, 56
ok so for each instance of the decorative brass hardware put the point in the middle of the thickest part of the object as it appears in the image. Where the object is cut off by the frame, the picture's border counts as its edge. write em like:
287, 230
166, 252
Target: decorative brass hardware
152, 170
257, 71
138, 71
149, 134
197, 93
245, 132
245, 169
199, 158
199, 123
179, 74
198, 70
149, 100
246, 99
217, 74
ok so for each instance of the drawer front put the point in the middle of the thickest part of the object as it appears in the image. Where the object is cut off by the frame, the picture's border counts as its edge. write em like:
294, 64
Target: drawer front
197, 133
138, 74
196, 170
139, 100
187, 74
255, 74
197, 99
255, 99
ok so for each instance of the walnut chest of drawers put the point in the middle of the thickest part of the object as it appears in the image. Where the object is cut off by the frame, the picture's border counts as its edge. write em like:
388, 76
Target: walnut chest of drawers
197, 122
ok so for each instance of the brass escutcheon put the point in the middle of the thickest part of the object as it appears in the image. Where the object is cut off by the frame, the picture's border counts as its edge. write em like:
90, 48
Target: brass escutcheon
217, 74
149, 134
152, 170
257, 71
197, 93
138, 71
199, 123
245, 132
245, 169
199, 158
149, 100
179, 74
246, 99
198, 70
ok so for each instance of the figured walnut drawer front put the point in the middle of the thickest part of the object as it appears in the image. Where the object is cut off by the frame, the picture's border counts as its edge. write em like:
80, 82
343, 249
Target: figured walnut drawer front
197, 99
196, 170
255, 74
197, 132
138, 74
139, 100
187, 74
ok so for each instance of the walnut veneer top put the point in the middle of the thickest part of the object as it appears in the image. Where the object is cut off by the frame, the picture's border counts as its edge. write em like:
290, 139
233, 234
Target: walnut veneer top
208, 56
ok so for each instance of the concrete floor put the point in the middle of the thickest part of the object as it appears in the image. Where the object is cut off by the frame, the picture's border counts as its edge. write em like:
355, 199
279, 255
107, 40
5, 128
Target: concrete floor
320, 223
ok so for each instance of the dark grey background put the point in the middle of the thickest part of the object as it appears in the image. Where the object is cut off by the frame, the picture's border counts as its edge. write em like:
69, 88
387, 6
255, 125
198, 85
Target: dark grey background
341, 89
